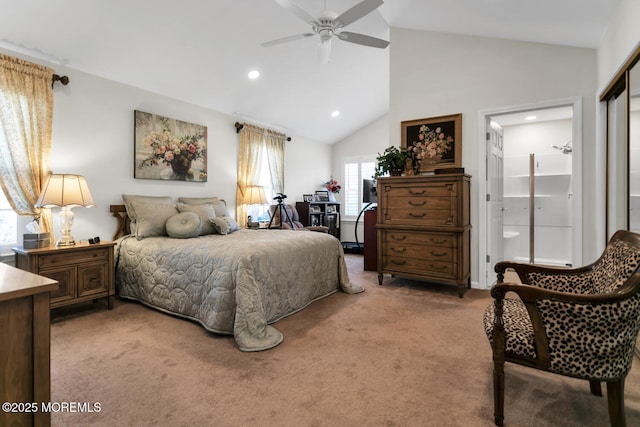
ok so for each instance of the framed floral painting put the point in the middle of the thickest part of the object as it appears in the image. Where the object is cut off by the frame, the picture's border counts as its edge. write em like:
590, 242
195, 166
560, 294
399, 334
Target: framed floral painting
169, 149
435, 142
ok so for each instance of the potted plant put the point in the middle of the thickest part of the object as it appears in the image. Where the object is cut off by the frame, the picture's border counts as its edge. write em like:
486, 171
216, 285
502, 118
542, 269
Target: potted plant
392, 161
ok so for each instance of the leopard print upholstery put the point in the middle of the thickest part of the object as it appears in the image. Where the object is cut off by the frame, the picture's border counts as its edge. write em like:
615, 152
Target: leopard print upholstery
590, 341
517, 326
618, 262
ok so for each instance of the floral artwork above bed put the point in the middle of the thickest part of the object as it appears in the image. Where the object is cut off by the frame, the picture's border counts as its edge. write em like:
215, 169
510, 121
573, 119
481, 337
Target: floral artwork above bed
169, 149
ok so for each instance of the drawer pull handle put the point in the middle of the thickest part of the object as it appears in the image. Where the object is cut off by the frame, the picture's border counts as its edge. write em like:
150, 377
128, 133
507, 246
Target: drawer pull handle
93, 279
399, 250
398, 238
449, 220
398, 262
411, 214
439, 268
438, 242
417, 193
412, 203
438, 253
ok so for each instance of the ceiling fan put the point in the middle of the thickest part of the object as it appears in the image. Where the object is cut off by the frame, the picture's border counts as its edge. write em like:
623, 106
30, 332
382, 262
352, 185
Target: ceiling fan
330, 24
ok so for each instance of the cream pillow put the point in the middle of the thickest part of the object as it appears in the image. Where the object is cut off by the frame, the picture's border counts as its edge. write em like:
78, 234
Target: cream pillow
225, 224
151, 219
184, 225
197, 200
130, 201
204, 212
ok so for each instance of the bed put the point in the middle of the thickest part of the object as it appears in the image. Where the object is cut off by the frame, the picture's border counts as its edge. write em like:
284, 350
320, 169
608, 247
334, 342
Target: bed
236, 283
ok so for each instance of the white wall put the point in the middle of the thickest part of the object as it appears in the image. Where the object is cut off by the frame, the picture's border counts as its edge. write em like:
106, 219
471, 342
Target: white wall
368, 141
93, 130
435, 74
619, 41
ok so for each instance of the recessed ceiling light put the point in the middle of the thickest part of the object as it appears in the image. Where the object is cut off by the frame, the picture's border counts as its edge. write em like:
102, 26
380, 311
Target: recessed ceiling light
254, 74
530, 118
335, 114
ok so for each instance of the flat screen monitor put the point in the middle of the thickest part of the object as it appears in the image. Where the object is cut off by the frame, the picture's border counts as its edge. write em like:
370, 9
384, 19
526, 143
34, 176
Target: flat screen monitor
369, 191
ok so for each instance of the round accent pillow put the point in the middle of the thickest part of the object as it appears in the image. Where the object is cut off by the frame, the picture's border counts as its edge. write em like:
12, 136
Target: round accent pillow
184, 225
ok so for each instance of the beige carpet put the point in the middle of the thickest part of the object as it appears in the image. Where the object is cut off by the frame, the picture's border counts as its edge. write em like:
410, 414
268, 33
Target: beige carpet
402, 354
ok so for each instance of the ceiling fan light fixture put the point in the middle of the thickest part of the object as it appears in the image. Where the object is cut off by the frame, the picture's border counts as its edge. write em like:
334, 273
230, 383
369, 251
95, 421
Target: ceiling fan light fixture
324, 51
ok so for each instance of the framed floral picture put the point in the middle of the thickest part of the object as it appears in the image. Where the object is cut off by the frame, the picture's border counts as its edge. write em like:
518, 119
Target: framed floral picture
169, 149
434, 142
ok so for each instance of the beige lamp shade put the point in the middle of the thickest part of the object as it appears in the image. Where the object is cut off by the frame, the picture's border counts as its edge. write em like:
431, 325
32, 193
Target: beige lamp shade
254, 195
65, 190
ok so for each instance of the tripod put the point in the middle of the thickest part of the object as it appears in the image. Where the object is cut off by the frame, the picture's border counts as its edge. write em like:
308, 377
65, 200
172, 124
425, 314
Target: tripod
280, 208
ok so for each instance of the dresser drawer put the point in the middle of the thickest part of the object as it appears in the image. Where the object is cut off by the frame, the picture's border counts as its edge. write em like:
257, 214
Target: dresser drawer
434, 189
422, 216
419, 238
422, 267
72, 258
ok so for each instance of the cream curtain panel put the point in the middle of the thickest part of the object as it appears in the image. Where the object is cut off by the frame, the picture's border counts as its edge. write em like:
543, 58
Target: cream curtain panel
252, 147
275, 157
26, 115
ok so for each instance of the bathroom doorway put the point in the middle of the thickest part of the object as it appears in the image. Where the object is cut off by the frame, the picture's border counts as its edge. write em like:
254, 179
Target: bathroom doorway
533, 204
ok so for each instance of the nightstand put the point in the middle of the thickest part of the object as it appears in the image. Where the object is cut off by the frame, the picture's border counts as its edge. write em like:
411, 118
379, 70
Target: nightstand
84, 271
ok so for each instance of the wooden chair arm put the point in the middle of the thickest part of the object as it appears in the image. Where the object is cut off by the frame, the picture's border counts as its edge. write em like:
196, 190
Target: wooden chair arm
531, 294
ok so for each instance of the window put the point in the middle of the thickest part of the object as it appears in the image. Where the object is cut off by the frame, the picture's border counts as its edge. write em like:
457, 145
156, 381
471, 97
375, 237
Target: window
8, 226
355, 170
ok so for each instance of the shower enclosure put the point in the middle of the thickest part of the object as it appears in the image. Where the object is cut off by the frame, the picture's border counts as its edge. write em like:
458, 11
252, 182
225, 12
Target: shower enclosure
537, 201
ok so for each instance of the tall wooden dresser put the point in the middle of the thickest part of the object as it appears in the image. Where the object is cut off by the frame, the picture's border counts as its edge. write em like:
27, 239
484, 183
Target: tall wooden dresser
424, 229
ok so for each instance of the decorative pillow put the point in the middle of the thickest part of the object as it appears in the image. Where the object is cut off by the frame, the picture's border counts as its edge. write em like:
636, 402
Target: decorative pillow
131, 200
206, 214
151, 219
198, 200
225, 224
184, 225
220, 206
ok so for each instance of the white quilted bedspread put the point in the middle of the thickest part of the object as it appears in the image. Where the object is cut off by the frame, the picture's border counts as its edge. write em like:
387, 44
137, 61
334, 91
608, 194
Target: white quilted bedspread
235, 284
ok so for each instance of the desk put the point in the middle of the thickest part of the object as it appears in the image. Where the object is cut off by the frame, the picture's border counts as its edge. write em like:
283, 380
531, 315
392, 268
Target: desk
25, 344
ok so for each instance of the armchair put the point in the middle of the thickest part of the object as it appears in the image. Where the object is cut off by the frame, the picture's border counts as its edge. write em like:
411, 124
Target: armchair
295, 223
578, 322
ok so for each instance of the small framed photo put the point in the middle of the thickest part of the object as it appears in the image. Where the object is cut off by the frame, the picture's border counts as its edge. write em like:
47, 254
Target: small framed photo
315, 209
331, 209
322, 196
307, 197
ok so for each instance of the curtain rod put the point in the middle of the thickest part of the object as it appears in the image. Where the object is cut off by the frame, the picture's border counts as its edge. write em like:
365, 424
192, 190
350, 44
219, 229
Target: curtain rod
239, 127
58, 78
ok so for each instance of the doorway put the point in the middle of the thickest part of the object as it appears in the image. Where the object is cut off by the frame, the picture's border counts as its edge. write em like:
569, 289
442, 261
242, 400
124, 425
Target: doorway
532, 209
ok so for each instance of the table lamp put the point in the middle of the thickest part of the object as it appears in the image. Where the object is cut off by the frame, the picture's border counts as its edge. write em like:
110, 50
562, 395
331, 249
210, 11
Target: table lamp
65, 191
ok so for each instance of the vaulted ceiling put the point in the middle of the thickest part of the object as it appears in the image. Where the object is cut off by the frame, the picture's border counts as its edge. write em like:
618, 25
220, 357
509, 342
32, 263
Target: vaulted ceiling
200, 51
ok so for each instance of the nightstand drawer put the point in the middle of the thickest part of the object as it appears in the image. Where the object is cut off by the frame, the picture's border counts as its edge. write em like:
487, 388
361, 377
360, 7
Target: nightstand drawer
72, 257
92, 278
66, 278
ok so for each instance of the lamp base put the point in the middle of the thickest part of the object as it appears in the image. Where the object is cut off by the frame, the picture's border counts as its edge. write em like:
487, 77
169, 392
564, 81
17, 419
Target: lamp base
66, 241
66, 221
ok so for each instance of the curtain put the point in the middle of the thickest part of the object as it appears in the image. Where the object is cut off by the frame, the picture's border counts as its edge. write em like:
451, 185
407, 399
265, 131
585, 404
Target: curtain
249, 160
26, 115
275, 157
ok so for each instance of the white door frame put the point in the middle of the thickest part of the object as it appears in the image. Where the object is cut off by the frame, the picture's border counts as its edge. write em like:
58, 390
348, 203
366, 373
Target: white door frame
576, 180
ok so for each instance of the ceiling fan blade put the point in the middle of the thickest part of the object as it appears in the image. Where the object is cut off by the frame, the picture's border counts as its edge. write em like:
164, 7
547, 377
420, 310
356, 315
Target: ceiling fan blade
298, 11
287, 39
357, 12
363, 39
